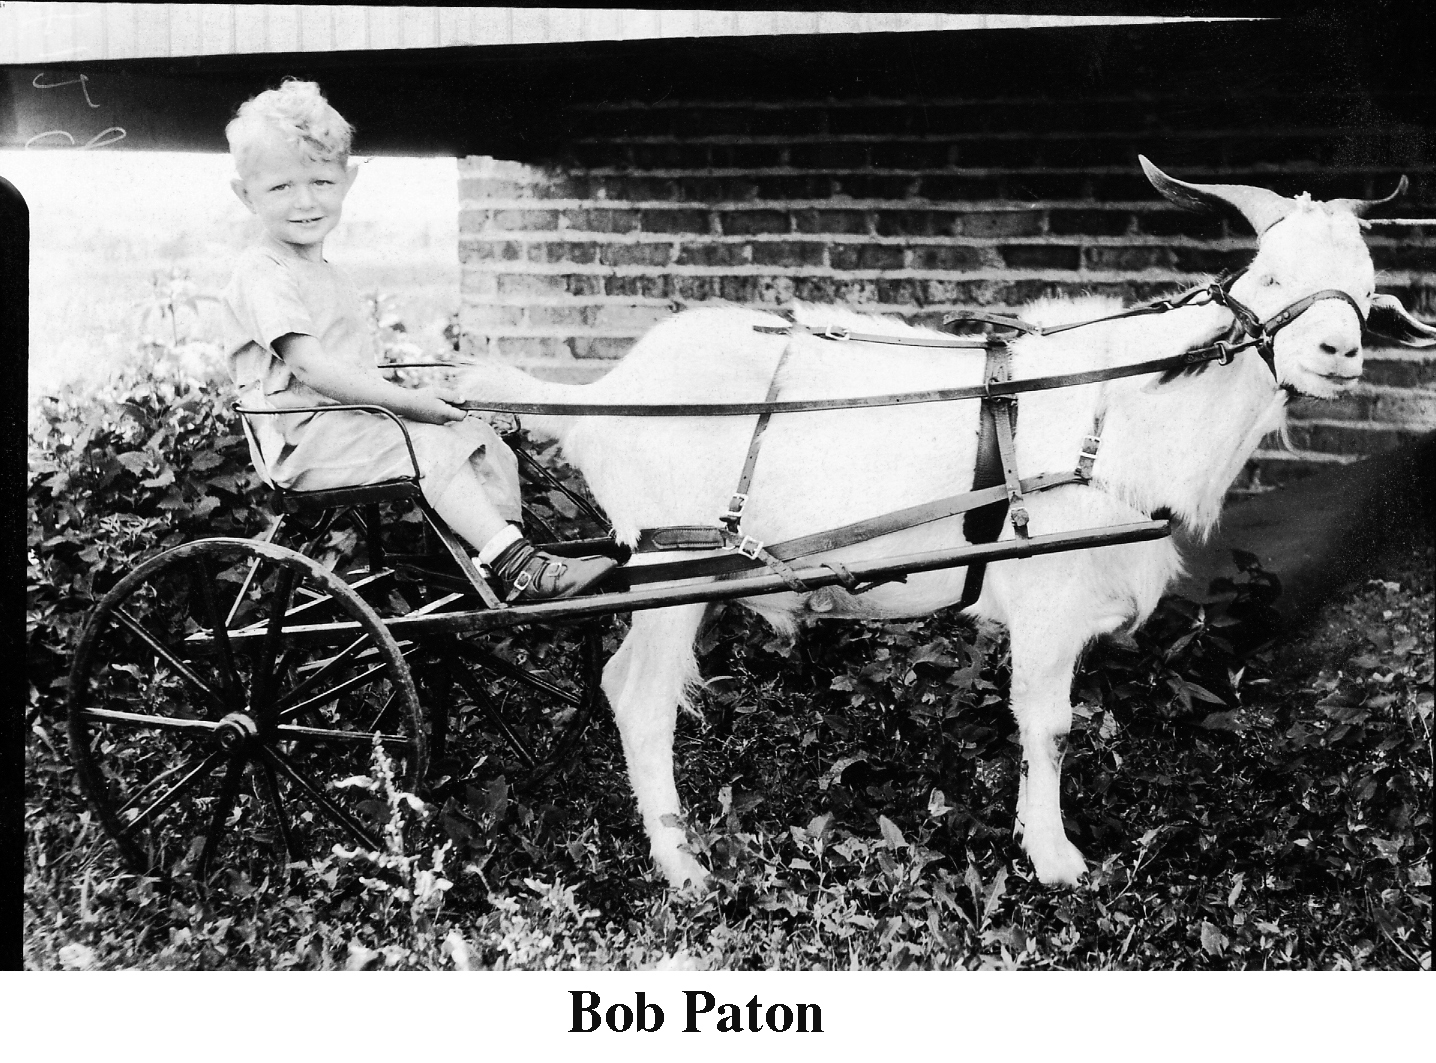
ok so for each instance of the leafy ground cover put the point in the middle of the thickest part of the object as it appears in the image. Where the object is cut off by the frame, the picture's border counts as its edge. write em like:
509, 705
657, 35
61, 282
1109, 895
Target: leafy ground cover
1244, 803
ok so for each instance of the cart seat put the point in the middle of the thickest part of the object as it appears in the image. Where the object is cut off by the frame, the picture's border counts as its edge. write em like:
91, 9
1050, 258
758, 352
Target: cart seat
286, 501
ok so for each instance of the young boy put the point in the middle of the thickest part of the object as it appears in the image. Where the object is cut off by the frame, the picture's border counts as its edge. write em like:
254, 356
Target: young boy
295, 336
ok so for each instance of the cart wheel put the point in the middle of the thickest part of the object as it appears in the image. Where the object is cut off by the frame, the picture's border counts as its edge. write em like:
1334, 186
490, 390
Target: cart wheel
223, 699
523, 703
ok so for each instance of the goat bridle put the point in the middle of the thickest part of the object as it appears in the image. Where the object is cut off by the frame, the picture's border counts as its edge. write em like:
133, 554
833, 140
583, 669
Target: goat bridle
1247, 331
1251, 331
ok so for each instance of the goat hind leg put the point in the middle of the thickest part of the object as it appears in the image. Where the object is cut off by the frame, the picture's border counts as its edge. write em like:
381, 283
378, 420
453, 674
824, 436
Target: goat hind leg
645, 682
1042, 665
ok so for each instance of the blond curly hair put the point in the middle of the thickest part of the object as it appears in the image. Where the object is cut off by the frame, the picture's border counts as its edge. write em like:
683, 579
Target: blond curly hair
299, 114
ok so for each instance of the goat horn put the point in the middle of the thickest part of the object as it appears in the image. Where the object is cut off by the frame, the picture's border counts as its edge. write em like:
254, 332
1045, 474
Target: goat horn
1359, 207
1261, 207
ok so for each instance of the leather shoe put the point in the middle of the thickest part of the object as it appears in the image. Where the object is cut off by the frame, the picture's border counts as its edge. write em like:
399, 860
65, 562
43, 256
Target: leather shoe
528, 574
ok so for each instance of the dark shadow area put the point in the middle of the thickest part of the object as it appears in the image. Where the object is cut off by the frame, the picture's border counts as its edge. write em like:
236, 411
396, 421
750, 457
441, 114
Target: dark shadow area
1321, 534
516, 102
14, 331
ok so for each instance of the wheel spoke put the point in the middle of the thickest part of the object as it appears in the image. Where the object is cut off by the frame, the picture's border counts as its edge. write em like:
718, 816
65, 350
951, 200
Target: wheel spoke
317, 600
162, 651
140, 794
248, 579
325, 670
325, 734
321, 800
170, 796
384, 710
292, 851
481, 699
139, 719
202, 581
229, 789
492, 661
262, 684
332, 693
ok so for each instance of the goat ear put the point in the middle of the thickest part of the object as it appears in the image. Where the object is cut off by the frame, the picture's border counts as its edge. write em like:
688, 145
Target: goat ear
1261, 207
1389, 318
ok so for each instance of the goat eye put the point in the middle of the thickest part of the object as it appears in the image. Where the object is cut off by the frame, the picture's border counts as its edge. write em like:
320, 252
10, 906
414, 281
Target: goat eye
1269, 281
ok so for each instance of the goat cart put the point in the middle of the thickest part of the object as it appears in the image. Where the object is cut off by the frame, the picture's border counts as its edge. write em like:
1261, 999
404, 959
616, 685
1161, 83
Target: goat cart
226, 697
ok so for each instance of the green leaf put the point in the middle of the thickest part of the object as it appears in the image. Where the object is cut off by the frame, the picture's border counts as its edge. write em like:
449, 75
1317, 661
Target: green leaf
835, 773
891, 834
1214, 942
972, 878
818, 825
995, 892
1199, 691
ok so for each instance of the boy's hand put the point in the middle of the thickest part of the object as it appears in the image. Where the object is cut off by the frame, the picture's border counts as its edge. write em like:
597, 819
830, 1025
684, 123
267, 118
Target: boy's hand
438, 405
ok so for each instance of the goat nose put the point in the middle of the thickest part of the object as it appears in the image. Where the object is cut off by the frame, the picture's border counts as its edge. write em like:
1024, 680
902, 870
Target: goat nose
1334, 350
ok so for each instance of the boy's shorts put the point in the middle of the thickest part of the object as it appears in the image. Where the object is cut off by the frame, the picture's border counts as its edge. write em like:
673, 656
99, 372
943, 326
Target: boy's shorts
350, 448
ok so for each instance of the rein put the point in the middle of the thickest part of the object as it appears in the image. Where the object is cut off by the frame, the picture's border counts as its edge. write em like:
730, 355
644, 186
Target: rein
1221, 351
1248, 332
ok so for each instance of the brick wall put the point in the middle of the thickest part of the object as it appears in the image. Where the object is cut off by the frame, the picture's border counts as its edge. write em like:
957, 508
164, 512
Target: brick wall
920, 206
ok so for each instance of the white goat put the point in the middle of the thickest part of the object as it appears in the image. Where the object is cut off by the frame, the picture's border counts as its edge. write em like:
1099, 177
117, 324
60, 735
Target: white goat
1166, 443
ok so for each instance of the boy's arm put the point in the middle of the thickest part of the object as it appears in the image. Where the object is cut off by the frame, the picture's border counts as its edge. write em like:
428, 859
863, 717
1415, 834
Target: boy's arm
306, 359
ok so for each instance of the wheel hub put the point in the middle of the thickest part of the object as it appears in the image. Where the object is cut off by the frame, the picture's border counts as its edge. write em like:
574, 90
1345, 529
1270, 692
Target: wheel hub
235, 732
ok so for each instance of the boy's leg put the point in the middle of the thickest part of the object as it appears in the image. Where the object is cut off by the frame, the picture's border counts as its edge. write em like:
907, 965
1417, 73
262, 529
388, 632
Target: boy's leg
467, 510
506, 553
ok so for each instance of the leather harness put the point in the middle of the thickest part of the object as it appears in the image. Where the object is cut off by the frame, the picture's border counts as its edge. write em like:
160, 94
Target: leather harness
998, 491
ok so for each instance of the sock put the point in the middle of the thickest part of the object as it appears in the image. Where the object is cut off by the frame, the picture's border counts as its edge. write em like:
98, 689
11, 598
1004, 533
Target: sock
496, 545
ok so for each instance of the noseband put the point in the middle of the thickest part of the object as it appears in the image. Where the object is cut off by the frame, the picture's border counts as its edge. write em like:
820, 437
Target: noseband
1250, 331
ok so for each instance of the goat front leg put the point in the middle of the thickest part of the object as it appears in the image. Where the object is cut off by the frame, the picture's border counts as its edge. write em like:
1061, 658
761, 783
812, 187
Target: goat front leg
1042, 666
645, 682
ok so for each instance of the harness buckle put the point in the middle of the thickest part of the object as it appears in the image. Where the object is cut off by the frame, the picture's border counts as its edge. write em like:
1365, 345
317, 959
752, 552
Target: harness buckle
1225, 352
521, 583
1019, 515
748, 546
734, 516
835, 332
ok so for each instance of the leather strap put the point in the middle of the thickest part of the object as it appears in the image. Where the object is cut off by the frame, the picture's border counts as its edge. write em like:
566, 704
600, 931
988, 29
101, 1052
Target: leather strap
1088, 457
1210, 352
679, 537
995, 464
732, 521
734, 517
838, 332
1004, 418
824, 541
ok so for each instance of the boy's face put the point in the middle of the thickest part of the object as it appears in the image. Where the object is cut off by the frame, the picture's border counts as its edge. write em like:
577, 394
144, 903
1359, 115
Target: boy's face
298, 199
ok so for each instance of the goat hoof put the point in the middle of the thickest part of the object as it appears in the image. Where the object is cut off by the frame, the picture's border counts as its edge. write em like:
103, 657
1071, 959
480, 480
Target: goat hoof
692, 875
1057, 862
